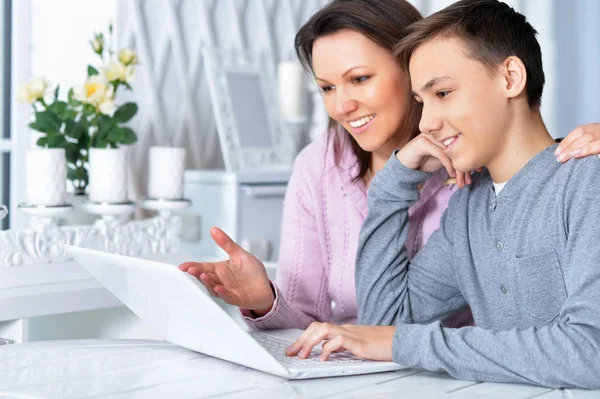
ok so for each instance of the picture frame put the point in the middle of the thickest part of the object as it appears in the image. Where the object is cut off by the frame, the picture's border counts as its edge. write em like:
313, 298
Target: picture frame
243, 93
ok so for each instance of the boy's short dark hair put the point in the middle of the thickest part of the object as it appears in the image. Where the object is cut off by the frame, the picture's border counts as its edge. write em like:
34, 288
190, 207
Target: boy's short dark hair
490, 30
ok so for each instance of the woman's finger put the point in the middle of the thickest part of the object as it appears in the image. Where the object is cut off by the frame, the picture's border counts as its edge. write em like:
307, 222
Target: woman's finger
567, 141
205, 267
577, 148
590, 149
208, 283
226, 295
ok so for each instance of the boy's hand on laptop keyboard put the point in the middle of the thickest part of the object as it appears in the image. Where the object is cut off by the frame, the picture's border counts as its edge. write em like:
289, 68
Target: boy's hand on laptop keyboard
240, 281
367, 342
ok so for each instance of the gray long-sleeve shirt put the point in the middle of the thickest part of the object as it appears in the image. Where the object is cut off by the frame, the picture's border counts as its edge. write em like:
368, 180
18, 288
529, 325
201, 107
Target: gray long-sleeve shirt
527, 262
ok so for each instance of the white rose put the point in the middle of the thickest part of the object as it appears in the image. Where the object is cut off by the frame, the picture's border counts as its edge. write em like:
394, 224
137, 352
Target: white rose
94, 91
129, 74
33, 90
114, 71
97, 45
128, 56
107, 106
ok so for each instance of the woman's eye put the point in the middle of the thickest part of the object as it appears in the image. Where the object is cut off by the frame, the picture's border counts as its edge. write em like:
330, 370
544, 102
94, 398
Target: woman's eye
360, 79
442, 94
325, 89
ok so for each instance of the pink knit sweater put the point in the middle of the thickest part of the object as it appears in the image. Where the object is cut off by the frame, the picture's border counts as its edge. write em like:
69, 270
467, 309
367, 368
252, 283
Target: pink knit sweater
323, 212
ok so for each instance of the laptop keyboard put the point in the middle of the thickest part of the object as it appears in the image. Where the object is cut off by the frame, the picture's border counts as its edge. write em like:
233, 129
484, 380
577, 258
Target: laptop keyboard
276, 347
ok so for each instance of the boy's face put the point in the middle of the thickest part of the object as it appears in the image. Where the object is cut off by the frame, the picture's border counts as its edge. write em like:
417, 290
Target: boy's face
464, 106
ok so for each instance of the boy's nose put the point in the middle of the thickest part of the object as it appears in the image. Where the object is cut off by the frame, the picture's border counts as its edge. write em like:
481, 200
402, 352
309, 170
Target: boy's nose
430, 123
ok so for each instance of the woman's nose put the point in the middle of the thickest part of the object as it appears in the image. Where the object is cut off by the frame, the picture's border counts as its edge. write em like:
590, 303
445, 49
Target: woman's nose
345, 104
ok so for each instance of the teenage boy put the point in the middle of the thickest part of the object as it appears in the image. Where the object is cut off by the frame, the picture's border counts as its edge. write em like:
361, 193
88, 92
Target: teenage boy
520, 246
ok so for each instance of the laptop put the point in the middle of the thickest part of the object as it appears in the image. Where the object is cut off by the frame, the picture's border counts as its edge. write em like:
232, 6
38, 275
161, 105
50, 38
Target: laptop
179, 310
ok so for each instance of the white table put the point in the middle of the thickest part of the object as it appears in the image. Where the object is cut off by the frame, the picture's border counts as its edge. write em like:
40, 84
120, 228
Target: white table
153, 369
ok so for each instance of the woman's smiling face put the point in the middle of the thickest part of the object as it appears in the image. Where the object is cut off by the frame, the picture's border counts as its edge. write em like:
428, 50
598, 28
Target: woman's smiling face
363, 87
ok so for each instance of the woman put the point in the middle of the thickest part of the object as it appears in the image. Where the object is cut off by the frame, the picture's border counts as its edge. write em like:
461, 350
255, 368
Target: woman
348, 47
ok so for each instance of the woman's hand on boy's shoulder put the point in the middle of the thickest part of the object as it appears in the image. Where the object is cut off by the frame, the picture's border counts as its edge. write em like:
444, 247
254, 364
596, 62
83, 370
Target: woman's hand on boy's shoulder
367, 342
425, 154
583, 141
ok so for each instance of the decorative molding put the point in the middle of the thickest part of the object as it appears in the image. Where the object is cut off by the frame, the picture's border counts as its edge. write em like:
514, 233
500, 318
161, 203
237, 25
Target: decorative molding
157, 235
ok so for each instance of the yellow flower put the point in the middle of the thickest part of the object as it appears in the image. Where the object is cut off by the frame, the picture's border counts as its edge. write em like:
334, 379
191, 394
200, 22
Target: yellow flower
128, 56
33, 90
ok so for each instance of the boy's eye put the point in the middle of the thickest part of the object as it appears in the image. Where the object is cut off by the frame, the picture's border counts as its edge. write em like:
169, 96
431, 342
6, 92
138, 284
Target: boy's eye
442, 94
325, 89
360, 79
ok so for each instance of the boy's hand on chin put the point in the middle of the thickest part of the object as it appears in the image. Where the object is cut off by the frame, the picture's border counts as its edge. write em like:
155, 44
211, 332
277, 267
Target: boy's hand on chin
367, 342
425, 154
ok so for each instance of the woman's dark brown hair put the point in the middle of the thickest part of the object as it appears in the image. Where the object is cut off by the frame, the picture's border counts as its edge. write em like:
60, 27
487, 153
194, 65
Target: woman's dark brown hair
382, 21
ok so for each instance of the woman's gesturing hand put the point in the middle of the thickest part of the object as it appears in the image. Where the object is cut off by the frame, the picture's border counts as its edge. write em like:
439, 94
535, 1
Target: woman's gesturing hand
240, 281
367, 342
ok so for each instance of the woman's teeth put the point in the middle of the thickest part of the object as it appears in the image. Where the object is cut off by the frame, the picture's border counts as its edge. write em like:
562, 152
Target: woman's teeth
362, 121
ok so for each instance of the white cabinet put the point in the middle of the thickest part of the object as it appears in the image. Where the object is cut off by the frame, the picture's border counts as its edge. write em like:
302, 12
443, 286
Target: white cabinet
247, 206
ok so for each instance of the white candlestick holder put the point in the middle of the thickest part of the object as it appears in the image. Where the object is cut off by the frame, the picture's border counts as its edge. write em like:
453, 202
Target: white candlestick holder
164, 207
44, 216
168, 225
109, 211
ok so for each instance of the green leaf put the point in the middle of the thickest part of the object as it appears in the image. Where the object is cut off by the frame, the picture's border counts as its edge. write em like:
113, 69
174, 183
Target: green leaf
37, 127
89, 110
72, 101
116, 135
72, 153
56, 92
92, 71
125, 112
47, 122
84, 141
59, 108
56, 141
129, 136
101, 143
74, 129
72, 174
42, 141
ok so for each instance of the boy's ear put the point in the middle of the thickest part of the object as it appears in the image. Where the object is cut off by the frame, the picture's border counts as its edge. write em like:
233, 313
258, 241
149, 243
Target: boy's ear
515, 76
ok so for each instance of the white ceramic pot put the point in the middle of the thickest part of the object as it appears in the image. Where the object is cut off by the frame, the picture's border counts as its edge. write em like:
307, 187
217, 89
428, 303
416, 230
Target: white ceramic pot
45, 176
108, 175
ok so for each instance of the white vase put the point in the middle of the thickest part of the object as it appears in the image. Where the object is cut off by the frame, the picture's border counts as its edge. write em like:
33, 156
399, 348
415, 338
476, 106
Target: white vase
108, 175
45, 176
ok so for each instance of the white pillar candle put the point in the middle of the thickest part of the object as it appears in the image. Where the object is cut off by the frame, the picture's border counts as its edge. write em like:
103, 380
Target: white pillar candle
108, 175
291, 90
165, 172
46, 176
